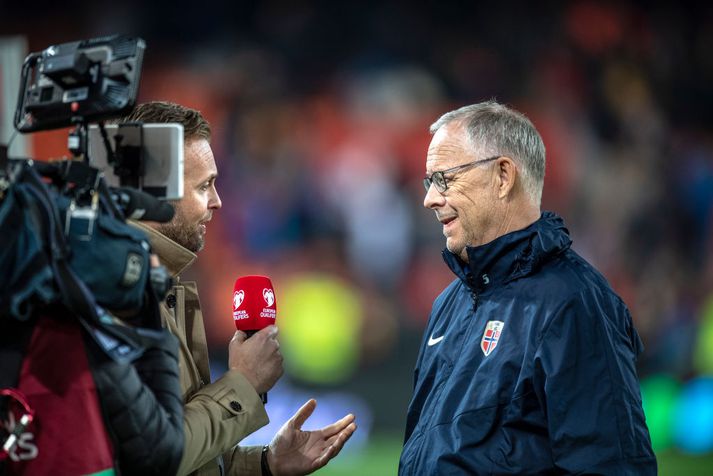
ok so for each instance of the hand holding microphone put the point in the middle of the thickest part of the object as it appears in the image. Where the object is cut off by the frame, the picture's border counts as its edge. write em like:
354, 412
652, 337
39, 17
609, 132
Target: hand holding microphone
254, 350
257, 358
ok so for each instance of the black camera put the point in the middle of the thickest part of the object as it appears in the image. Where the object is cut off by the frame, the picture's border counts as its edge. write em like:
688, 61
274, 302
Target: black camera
90, 81
81, 81
62, 214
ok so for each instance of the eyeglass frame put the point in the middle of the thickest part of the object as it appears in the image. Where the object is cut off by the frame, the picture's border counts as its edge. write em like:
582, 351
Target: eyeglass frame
428, 179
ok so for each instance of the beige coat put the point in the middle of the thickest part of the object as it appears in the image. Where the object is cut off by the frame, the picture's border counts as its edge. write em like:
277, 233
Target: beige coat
216, 415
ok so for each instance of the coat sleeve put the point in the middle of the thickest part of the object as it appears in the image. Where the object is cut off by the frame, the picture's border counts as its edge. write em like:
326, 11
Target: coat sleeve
217, 417
243, 460
585, 379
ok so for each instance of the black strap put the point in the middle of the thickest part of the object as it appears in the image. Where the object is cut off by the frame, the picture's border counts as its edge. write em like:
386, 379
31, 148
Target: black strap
3, 156
14, 339
264, 466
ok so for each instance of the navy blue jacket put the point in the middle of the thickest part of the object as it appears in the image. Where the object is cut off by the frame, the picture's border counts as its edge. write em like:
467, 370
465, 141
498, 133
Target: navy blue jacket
527, 367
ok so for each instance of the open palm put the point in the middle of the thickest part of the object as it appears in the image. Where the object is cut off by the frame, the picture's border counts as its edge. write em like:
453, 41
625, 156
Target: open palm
297, 452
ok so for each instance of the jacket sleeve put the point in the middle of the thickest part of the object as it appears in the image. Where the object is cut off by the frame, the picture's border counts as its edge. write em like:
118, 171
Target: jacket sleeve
243, 460
217, 417
585, 379
143, 408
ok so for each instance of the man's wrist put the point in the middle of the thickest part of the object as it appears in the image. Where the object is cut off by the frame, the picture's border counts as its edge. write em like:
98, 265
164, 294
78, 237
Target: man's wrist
249, 376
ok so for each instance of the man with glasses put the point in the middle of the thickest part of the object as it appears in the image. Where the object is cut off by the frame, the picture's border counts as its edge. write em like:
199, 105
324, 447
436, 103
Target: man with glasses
527, 365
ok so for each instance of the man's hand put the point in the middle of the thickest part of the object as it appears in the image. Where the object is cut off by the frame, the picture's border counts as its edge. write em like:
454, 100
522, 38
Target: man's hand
257, 358
296, 452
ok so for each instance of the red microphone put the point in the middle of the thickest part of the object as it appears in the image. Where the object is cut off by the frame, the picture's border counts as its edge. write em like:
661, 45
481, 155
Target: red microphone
254, 306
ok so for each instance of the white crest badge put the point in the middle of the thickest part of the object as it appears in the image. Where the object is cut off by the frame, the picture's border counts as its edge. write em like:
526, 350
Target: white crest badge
491, 336
238, 297
269, 296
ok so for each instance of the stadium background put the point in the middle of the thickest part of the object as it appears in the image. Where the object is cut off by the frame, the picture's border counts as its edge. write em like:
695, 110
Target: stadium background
320, 113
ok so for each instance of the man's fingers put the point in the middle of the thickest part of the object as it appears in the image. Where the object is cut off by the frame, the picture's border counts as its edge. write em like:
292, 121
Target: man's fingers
337, 426
269, 332
344, 436
340, 438
303, 413
239, 336
336, 443
328, 454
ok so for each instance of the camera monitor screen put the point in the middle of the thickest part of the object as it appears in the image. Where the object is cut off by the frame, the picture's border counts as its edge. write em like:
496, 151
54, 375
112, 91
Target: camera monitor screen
81, 81
161, 149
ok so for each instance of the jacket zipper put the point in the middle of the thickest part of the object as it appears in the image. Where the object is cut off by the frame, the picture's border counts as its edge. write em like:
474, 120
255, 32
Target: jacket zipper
474, 297
417, 459
473, 293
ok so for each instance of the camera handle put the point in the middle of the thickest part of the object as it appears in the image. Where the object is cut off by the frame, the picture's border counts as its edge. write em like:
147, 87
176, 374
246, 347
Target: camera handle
77, 141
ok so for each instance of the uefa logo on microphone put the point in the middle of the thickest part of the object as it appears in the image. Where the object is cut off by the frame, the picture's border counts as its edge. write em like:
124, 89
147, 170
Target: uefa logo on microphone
238, 297
269, 296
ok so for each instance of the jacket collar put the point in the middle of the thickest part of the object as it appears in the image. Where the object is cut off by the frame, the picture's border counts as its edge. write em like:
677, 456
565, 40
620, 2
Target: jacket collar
173, 256
513, 255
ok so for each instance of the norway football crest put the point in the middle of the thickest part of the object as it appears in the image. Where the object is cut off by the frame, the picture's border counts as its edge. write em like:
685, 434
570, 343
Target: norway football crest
493, 329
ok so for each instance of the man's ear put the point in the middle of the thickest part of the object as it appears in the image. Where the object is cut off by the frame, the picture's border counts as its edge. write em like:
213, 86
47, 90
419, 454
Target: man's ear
507, 174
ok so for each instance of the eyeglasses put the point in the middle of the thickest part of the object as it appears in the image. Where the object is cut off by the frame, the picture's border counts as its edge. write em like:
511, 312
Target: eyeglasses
439, 180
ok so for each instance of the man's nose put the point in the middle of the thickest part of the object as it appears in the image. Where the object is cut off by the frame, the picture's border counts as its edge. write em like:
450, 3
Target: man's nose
215, 202
433, 198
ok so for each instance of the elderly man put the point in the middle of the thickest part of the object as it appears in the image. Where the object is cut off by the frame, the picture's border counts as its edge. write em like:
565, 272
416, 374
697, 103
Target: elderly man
527, 365
218, 415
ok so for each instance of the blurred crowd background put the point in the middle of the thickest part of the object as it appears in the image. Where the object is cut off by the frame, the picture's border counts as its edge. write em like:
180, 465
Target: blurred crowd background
320, 115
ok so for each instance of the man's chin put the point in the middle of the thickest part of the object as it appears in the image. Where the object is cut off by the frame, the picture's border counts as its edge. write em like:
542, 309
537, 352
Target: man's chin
455, 248
193, 243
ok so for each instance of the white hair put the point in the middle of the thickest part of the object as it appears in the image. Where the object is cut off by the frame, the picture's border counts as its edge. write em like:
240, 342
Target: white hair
494, 129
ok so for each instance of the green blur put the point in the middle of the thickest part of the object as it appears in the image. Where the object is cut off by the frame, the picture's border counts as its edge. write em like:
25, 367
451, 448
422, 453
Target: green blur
320, 324
703, 353
659, 394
